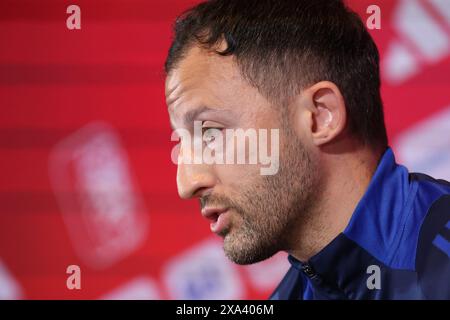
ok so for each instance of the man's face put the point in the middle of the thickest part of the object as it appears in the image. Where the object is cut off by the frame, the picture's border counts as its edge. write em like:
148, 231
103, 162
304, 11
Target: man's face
256, 215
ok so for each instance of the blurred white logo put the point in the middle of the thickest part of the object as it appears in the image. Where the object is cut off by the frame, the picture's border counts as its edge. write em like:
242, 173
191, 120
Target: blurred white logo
9, 288
422, 39
203, 272
425, 147
91, 178
141, 288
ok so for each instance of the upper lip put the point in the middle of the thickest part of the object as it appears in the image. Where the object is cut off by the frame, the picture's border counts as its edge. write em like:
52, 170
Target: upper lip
213, 213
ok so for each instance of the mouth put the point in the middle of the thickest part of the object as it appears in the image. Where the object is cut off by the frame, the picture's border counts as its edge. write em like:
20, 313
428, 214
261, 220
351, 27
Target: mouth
219, 218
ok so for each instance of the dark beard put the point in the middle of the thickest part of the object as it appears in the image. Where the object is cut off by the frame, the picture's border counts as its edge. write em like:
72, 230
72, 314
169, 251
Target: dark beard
271, 209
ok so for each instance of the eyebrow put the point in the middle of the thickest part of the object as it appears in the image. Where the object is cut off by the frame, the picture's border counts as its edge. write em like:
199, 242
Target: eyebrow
191, 115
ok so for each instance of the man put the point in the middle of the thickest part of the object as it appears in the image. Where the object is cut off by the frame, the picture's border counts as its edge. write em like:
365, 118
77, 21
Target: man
356, 225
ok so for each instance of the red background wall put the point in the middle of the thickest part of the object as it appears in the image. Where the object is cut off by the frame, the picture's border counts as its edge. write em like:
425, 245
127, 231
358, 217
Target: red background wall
85, 171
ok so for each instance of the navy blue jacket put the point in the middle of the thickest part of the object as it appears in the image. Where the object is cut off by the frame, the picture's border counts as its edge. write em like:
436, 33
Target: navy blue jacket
396, 245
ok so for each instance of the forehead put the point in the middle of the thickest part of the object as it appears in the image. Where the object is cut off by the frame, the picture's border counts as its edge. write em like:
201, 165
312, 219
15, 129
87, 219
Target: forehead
205, 74
198, 63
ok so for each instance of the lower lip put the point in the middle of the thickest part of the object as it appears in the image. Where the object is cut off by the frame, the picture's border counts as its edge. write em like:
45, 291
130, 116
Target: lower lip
222, 222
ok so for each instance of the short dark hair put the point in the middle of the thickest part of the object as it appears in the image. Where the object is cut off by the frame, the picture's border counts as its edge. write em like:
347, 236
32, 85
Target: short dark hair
284, 46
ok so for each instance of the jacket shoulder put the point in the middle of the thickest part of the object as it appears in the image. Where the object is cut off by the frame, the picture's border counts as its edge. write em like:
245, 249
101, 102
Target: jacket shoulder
433, 247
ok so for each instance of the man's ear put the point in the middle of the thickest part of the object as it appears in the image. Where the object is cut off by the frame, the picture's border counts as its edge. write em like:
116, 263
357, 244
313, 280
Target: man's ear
326, 114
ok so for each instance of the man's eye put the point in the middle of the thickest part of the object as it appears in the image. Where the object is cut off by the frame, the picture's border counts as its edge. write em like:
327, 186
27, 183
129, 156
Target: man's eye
210, 134
207, 135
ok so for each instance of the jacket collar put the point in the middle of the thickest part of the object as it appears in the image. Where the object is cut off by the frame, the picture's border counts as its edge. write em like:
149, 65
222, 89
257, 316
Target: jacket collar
373, 231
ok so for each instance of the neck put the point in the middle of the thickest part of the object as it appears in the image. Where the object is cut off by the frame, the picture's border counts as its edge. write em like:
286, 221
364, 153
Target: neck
347, 177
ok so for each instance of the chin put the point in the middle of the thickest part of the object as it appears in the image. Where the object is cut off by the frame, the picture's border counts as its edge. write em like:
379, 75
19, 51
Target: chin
244, 253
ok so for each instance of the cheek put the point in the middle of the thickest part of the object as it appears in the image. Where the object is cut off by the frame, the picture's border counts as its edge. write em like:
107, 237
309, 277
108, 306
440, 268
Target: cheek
237, 177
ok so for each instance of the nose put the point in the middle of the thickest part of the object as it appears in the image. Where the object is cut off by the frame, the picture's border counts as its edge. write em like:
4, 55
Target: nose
194, 180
